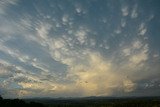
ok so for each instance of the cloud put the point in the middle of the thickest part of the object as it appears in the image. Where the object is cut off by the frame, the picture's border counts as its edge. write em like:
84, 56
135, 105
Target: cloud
123, 23
5, 4
137, 44
82, 66
118, 30
92, 77
79, 8
134, 13
137, 53
90, 73
140, 57
125, 10
26, 80
142, 29
65, 19
5, 71
23, 58
57, 56
151, 17
58, 43
127, 51
42, 32
156, 55
37, 86
129, 86
81, 36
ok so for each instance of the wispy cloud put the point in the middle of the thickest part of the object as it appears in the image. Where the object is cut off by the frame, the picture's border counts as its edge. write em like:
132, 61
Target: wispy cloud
134, 13
5, 4
142, 29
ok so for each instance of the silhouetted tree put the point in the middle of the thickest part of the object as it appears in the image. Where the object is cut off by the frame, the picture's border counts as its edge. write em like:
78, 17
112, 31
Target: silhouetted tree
1, 98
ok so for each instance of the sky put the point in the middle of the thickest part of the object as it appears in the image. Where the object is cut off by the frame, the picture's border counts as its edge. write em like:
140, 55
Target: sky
79, 48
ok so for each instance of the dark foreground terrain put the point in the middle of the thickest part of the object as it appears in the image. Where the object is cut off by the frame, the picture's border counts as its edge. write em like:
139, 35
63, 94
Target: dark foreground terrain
18, 103
83, 102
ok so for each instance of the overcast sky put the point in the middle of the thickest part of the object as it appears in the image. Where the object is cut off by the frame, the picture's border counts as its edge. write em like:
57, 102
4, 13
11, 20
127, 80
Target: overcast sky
79, 48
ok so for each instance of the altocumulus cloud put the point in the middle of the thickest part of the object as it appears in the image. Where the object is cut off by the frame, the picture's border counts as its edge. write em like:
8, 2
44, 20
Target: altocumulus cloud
76, 48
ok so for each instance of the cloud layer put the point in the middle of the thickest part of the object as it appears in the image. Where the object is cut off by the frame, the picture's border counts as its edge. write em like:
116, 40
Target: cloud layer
77, 49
